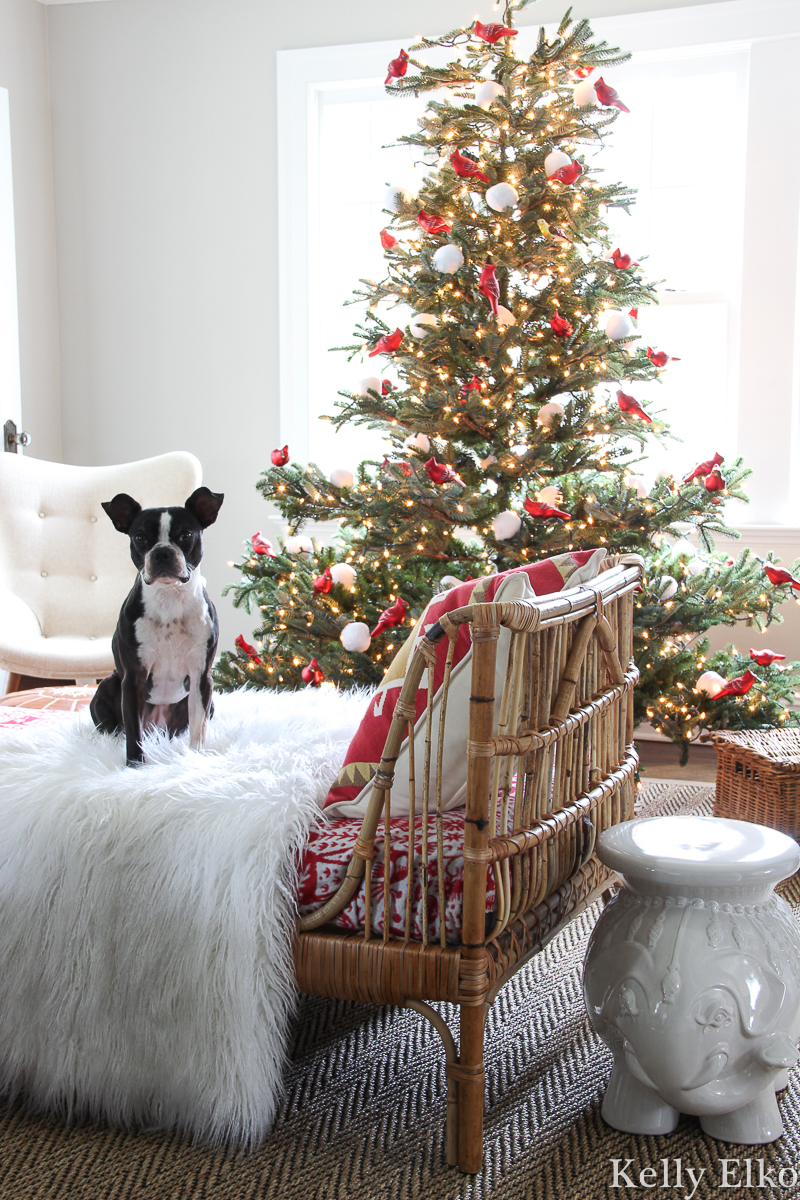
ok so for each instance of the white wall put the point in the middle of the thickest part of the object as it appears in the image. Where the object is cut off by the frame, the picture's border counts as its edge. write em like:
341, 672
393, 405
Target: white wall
164, 131
23, 72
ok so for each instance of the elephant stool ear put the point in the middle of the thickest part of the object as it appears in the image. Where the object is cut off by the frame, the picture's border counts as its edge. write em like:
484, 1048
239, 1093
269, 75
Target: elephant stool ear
204, 506
123, 510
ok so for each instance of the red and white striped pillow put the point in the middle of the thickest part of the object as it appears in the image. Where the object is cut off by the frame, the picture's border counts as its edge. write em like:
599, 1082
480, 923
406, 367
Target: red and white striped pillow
352, 787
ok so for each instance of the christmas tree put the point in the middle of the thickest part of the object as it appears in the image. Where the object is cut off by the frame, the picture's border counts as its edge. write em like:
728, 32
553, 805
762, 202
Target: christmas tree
515, 429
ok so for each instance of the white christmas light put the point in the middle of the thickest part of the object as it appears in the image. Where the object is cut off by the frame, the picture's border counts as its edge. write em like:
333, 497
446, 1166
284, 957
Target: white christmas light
395, 195
669, 587
370, 384
584, 94
501, 196
506, 524
340, 477
554, 160
619, 326
549, 414
448, 259
344, 574
487, 93
422, 324
417, 441
303, 547
355, 636
710, 682
505, 316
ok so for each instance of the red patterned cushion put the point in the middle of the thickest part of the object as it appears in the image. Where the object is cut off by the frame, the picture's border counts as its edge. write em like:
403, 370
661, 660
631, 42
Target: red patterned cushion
351, 789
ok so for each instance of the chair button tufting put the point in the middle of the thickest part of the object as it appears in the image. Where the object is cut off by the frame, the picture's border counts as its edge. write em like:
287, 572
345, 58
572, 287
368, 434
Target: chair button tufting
93, 578
92, 637
44, 574
41, 514
92, 519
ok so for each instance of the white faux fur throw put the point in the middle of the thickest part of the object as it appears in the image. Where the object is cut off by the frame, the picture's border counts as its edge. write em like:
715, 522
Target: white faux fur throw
146, 914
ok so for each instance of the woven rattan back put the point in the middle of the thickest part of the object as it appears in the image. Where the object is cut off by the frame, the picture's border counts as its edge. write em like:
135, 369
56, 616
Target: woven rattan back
550, 763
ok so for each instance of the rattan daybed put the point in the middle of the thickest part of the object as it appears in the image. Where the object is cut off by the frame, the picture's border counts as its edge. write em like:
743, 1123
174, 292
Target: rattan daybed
558, 770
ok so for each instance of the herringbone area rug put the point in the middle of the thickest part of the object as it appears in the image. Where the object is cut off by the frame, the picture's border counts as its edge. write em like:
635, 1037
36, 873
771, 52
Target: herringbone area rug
363, 1116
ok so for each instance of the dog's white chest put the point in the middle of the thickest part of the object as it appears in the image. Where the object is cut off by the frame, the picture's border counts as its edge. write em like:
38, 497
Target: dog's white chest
173, 638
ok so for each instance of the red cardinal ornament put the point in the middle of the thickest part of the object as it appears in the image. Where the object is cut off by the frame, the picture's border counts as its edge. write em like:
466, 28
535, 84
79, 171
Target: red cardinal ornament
659, 358
403, 467
474, 385
395, 614
261, 545
489, 286
632, 407
622, 262
633, 312
280, 457
778, 576
397, 67
323, 583
387, 241
467, 168
386, 387
441, 473
493, 32
247, 649
739, 686
704, 468
607, 96
765, 658
388, 343
560, 325
567, 174
312, 674
715, 481
431, 223
538, 509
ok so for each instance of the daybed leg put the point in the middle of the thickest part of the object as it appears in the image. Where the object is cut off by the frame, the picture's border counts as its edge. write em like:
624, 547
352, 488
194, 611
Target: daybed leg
469, 1072
450, 1054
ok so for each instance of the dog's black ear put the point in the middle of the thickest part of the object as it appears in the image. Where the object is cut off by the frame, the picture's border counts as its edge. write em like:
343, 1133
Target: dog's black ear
123, 510
204, 506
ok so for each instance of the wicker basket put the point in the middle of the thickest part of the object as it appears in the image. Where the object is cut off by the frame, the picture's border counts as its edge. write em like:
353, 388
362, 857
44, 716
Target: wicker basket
758, 778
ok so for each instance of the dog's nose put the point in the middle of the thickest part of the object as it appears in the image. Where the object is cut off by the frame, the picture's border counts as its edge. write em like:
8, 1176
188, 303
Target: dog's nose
162, 554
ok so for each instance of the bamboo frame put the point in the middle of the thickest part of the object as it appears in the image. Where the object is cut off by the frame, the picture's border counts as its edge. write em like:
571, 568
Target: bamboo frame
563, 726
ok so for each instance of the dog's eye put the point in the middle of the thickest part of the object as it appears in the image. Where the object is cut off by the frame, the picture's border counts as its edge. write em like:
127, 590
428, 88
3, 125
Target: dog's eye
140, 539
185, 538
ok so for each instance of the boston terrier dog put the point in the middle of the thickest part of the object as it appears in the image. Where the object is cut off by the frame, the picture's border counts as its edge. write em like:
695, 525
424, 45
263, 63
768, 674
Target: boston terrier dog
167, 631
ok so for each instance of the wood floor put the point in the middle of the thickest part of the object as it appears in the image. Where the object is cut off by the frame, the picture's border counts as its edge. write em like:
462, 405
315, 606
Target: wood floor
661, 760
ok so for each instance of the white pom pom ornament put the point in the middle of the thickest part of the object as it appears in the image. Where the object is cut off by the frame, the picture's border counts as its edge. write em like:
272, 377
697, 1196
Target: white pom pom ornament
501, 196
487, 93
549, 414
448, 259
340, 477
711, 683
506, 524
303, 547
344, 574
638, 484
370, 384
417, 441
355, 636
554, 160
669, 587
550, 495
683, 548
505, 316
396, 195
619, 326
584, 94
422, 324
696, 566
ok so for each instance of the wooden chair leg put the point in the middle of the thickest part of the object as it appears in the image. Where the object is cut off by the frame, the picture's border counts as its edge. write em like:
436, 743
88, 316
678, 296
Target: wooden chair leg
13, 682
469, 1073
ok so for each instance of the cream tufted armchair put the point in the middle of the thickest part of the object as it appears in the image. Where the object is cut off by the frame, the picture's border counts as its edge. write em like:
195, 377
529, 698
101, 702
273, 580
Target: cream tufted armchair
64, 569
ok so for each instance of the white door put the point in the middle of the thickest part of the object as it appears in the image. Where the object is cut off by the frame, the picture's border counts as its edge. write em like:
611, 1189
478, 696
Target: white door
10, 406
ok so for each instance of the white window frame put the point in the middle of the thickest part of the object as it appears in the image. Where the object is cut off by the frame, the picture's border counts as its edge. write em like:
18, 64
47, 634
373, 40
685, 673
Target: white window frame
767, 32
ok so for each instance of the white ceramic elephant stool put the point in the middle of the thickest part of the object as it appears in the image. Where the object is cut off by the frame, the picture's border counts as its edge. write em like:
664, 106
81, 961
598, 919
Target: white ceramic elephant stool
692, 976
